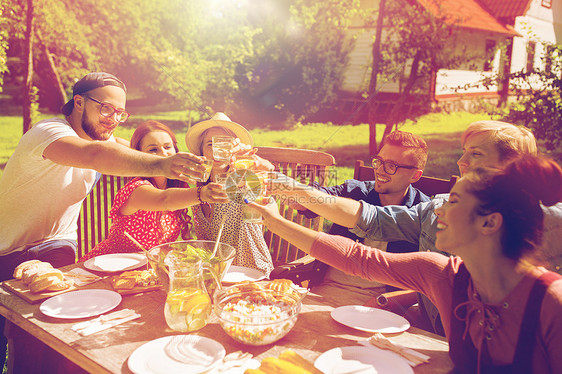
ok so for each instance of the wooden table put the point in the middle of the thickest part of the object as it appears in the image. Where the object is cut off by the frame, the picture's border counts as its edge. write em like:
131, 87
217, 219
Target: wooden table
107, 352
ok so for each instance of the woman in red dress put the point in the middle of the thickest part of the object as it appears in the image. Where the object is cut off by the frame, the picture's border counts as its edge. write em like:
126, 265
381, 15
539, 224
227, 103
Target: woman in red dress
153, 210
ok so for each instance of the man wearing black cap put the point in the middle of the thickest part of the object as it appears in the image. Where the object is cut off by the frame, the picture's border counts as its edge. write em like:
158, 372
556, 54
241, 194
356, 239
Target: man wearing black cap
54, 167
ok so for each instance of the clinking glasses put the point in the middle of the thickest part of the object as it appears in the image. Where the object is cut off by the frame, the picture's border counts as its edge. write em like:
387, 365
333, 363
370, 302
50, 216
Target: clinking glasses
390, 167
107, 110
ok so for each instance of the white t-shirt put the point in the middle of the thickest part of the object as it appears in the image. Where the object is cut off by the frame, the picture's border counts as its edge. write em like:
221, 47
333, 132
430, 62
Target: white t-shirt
39, 199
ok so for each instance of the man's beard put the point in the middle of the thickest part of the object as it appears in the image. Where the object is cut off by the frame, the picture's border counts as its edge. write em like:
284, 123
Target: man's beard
91, 130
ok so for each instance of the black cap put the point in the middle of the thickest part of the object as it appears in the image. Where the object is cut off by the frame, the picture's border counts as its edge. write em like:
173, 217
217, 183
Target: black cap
89, 82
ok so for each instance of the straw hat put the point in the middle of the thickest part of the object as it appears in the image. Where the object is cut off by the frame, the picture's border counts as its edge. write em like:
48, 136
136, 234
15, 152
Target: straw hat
220, 120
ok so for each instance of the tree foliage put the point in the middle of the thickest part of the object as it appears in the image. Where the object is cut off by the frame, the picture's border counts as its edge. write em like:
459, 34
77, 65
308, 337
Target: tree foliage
417, 41
274, 59
539, 104
3, 40
292, 58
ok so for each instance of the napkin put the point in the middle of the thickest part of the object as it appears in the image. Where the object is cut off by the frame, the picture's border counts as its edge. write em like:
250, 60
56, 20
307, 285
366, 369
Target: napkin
81, 277
105, 322
235, 363
413, 358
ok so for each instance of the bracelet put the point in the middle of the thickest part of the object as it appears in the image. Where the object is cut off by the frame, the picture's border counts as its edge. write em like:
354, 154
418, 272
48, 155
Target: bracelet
199, 194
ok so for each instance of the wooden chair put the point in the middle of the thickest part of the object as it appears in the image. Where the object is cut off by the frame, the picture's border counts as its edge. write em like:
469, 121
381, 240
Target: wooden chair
428, 185
305, 166
93, 221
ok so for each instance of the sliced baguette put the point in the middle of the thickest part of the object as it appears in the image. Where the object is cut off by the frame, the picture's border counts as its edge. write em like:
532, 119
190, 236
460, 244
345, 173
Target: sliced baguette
42, 284
43, 273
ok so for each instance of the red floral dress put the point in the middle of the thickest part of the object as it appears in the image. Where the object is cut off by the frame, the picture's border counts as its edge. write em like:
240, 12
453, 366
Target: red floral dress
142, 225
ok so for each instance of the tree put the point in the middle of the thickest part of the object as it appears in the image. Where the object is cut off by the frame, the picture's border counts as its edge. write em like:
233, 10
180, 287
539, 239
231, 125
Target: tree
28, 91
539, 104
416, 42
298, 61
69, 39
3, 40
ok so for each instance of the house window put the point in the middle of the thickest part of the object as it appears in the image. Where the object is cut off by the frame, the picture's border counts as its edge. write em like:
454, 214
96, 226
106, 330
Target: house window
490, 52
531, 56
547, 3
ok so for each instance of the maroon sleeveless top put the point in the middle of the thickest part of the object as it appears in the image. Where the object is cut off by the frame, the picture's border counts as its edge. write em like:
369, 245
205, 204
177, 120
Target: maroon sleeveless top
463, 352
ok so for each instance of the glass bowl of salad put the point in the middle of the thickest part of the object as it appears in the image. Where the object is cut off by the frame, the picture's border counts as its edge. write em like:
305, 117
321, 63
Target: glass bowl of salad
255, 314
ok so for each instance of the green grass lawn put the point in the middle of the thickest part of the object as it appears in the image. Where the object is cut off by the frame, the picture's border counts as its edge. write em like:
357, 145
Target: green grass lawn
346, 143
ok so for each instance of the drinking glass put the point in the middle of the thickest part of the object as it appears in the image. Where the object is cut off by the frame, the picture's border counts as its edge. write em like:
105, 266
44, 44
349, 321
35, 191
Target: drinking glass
251, 215
221, 178
208, 166
222, 146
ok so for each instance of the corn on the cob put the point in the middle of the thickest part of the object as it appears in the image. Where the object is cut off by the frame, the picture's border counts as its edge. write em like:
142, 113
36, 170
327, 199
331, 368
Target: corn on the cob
296, 359
254, 371
274, 365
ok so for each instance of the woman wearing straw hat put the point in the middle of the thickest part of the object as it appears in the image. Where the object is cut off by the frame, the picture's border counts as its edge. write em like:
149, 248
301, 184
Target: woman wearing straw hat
247, 238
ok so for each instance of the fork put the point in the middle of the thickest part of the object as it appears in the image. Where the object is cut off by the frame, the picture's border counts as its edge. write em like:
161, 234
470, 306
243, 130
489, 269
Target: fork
379, 340
104, 318
234, 359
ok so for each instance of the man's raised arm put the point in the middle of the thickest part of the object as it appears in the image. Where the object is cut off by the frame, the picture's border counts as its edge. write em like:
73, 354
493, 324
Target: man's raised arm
115, 159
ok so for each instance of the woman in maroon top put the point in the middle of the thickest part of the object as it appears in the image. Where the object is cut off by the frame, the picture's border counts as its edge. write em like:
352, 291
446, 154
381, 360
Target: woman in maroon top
500, 312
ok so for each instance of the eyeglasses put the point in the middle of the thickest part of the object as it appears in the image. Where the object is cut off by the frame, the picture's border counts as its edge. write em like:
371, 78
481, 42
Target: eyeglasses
107, 110
390, 167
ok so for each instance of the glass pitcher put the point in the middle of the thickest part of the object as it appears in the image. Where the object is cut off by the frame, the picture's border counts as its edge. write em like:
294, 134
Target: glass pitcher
188, 304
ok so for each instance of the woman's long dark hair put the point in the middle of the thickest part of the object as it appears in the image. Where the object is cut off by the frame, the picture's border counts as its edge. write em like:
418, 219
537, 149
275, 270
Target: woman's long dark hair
144, 129
517, 193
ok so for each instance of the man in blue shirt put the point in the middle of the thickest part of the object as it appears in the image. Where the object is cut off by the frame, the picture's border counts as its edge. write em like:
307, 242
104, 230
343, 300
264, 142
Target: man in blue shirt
399, 163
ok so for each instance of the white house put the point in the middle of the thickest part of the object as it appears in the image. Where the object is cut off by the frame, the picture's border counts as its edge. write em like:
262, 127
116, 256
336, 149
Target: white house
524, 27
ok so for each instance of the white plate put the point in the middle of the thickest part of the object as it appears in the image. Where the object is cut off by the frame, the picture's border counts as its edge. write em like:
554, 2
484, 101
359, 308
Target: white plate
80, 304
151, 358
364, 360
237, 274
116, 262
369, 319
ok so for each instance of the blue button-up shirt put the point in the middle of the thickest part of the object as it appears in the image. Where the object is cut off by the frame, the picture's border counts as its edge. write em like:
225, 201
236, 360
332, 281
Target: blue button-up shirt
418, 225
365, 191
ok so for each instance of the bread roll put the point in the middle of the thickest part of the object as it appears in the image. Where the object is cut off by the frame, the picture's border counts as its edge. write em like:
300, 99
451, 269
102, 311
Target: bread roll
24, 265
33, 270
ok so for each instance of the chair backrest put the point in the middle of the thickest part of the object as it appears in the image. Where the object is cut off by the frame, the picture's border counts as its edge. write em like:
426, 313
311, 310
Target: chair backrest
428, 185
93, 222
305, 166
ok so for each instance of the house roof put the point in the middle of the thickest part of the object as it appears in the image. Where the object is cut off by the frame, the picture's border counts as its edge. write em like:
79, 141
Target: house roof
470, 14
507, 8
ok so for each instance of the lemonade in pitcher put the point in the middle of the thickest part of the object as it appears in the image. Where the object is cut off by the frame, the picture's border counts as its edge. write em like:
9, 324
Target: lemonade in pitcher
188, 304
187, 309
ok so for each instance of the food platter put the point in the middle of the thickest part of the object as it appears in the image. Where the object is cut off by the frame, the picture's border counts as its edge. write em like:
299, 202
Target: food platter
236, 274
